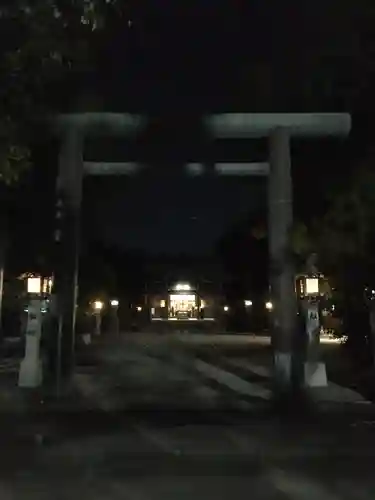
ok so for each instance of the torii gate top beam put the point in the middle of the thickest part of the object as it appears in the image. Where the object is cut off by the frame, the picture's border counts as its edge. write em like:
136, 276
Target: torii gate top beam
247, 125
222, 126
100, 123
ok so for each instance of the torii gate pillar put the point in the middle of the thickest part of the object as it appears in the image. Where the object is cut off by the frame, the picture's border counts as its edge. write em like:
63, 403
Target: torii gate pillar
281, 268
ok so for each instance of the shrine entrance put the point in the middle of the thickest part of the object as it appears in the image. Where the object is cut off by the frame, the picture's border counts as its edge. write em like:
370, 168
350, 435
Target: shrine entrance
183, 306
279, 128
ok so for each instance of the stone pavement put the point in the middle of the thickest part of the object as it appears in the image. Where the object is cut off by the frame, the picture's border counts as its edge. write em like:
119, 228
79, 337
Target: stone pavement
138, 374
158, 371
260, 376
248, 374
151, 424
130, 378
143, 459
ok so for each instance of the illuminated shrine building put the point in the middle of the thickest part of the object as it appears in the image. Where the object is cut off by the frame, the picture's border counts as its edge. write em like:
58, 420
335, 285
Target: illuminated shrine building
186, 302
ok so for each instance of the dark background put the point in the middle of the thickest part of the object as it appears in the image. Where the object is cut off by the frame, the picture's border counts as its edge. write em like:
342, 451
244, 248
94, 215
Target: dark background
175, 64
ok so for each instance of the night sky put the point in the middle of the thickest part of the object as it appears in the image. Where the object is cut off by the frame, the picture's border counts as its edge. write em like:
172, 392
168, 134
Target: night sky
169, 214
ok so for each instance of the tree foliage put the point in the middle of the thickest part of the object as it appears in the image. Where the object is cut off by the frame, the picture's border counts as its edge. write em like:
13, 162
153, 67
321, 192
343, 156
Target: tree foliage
345, 231
322, 59
41, 42
344, 241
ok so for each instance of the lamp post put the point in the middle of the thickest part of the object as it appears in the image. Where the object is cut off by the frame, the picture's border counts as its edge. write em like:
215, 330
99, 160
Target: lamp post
269, 316
115, 321
248, 306
309, 292
31, 373
98, 307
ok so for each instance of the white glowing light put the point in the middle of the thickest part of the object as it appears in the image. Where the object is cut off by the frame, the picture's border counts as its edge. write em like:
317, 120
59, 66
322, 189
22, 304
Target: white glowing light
98, 305
182, 297
312, 286
182, 286
34, 285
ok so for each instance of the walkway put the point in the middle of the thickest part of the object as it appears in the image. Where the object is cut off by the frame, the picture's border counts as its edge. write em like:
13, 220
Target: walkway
155, 420
234, 371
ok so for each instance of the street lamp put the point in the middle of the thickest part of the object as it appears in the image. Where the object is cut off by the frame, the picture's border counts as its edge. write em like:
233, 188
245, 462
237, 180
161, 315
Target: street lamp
309, 292
269, 306
226, 308
248, 303
31, 374
139, 308
311, 286
98, 307
114, 310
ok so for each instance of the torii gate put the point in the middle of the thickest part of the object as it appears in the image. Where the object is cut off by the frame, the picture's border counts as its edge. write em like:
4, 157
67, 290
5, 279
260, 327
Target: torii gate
279, 128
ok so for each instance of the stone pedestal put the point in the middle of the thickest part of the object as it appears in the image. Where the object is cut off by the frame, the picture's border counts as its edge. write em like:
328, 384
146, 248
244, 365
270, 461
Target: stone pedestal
86, 338
314, 368
115, 327
31, 372
98, 324
315, 374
